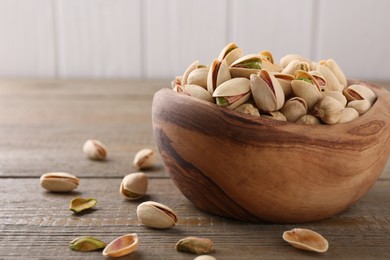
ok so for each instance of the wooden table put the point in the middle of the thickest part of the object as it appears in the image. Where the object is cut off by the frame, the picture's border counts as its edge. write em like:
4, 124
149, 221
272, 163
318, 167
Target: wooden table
43, 125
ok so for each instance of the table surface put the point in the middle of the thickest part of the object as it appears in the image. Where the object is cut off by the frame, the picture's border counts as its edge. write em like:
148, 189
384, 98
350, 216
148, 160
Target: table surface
43, 125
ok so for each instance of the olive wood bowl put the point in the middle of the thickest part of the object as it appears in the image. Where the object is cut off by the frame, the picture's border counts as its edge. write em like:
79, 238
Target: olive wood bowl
256, 169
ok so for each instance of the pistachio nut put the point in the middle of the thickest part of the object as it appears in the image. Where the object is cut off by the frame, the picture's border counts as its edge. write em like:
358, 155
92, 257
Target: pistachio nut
274, 115
336, 95
187, 72
361, 106
134, 185
122, 245
205, 257
156, 215
334, 67
308, 120
86, 244
332, 84
230, 53
294, 108
198, 92
348, 114
218, 74
232, 93
295, 65
144, 159
285, 82
359, 92
329, 110
195, 245
267, 61
285, 60
198, 77
306, 239
245, 66
306, 87
266, 91
78, 204
95, 150
59, 181
319, 78
249, 109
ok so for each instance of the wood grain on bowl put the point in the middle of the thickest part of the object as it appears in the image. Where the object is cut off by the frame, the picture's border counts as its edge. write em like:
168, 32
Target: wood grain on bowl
256, 169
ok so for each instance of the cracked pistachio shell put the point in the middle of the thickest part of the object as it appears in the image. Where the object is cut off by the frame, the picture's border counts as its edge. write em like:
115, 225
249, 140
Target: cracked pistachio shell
230, 53
205, 257
249, 109
359, 92
268, 61
334, 67
86, 244
195, 245
156, 215
218, 74
295, 65
236, 90
95, 150
187, 72
285, 82
266, 91
361, 106
285, 60
78, 205
198, 92
319, 78
144, 159
332, 84
348, 114
122, 245
308, 120
59, 181
134, 185
198, 77
309, 91
329, 110
336, 95
306, 239
274, 115
294, 108
240, 69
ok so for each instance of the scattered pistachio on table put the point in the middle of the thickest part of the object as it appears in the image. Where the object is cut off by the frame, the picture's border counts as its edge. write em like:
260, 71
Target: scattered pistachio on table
294, 88
134, 185
59, 181
195, 245
306, 239
156, 215
144, 159
95, 150
86, 244
122, 245
205, 257
78, 204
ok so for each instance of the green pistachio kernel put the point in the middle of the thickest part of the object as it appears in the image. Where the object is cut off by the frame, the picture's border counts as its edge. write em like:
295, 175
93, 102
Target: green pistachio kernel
305, 79
86, 244
222, 102
251, 64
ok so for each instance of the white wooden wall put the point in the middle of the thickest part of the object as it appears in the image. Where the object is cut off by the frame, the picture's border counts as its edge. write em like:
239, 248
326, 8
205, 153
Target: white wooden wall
159, 38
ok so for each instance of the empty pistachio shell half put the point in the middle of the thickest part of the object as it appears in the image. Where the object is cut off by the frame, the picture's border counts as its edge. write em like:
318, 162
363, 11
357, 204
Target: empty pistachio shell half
144, 159
187, 72
156, 215
198, 92
205, 257
78, 205
134, 185
195, 245
306, 239
95, 150
230, 53
122, 245
198, 77
86, 244
59, 181
334, 67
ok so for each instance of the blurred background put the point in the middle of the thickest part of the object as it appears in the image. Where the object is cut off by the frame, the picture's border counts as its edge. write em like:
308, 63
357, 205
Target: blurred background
151, 39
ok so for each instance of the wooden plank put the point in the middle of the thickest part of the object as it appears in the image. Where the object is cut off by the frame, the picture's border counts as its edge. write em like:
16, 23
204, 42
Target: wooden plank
99, 39
355, 38
282, 26
179, 32
38, 224
27, 45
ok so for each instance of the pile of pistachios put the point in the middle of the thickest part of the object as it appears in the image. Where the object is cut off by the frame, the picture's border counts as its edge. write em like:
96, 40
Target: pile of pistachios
296, 90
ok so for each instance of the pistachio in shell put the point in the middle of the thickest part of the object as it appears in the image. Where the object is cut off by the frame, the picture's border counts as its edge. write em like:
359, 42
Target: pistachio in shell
144, 159
335, 68
230, 53
329, 110
308, 120
195, 245
232, 93
95, 150
361, 106
78, 204
359, 92
248, 109
86, 244
306, 87
59, 181
198, 77
218, 74
198, 92
306, 239
348, 114
122, 245
332, 84
134, 185
246, 65
294, 108
156, 215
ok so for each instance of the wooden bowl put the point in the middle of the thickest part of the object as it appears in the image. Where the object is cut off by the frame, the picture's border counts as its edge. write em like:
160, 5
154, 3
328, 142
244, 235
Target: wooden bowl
256, 169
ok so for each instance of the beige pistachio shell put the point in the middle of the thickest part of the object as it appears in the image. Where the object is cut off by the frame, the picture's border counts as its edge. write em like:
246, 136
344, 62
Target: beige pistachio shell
294, 108
233, 87
198, 77
205, 257
198, 92
329, 110
334, 67
308, 120
306, 239
336, 95
359, 92
295, 65
285, 60
134, 185
176, 82
266, 55
348, 114
95, 150
187, 72
230, 53
237, 71
156, 215
144, 159
332, 84
319, 78
240, 101
78, 204
122, 245
285, 82
361, 106
310, 92
59, 181
249, 109
218, 74
274, 115
266, 91
178, 89
267, 65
